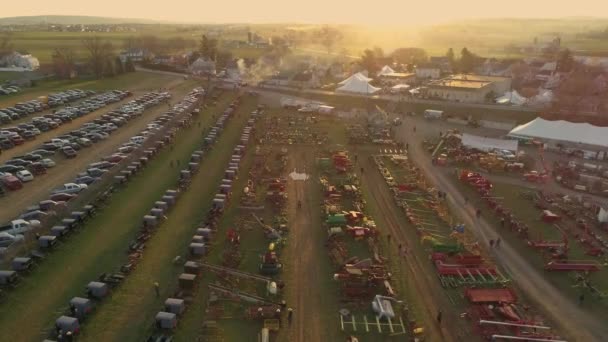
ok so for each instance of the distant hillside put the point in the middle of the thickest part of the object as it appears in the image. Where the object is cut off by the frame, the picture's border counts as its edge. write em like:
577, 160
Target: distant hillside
72, 20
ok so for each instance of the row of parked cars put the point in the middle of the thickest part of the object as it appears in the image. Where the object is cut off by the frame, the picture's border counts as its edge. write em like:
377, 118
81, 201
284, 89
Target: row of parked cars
21, 169
92, 174
16, 135
9, 89
23, 109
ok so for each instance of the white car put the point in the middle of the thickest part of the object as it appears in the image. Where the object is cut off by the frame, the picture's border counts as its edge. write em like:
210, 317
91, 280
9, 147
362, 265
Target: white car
70, 188
24, 176
47, 162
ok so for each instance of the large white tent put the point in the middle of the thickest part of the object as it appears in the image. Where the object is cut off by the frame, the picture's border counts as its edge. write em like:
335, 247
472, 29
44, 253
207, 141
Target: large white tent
358, 85
386, 70
563, 131
513, 98
488, 144
357, 76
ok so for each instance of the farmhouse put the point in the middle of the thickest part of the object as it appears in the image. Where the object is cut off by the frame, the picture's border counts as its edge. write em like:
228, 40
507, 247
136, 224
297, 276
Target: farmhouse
468, 88
203, 66
135, 55
428, 70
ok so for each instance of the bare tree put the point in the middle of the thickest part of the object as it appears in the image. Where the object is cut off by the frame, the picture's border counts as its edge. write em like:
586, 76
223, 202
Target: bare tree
6, 46
328, 37
63, 62
100, 51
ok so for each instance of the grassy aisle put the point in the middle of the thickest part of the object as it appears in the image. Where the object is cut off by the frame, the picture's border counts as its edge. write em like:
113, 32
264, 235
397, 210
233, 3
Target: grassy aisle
129, 314
31, 308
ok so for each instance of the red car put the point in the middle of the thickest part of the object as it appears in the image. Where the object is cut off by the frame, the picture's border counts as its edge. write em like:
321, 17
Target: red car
11, 182
17, 140
62, 197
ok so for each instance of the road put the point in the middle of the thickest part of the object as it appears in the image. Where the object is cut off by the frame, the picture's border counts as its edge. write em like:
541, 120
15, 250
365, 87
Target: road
304, 293
397, 98
66, 170
564, 311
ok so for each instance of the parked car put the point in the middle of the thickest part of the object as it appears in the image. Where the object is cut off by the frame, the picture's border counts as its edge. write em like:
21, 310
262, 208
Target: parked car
71, 188
69, 152
48, 162
24, 176
11, 182
62, 197
88, 180
11, 168
34, 215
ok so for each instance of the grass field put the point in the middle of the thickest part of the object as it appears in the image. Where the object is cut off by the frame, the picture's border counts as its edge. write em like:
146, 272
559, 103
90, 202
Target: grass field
129, 314
99, 247
527, 213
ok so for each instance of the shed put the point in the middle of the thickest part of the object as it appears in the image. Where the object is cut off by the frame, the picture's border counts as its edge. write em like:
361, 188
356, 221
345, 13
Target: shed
97, 289
195, 158
193, 166
225, 188
198, 239
150, 221
69, 223
47, 241
22, 264
143, 160
8, 277
172, 192
120, 179
67, 323
132, 168
184, 174
166, 320
230, 174
170, 200
197, 248
218, 203
192, 267
79, 216
206, 232
227, 181
186, 281
83, 305
161, 205
175, 305
89, 209
59, 231
157, 212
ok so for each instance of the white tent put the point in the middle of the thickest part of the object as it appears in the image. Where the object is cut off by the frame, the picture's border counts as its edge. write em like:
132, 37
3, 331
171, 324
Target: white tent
561, 130
386, 70
357, 76
357, 85
513, 98
488, 144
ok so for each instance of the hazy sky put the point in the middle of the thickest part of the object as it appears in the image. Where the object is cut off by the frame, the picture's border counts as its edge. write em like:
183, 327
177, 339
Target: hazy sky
325, 11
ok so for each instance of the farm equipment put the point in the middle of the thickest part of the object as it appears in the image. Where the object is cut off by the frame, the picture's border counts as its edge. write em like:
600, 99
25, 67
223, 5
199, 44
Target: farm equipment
571, 265
536, 177
270, 264
272, 286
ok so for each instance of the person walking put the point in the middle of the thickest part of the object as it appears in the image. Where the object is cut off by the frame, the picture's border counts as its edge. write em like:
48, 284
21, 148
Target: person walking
581, 299
289, 315
491, 243
157, 289
439, 317
388, 238
497, 242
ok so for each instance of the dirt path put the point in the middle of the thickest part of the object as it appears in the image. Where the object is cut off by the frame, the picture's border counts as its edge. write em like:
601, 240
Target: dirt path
304, 292
426, 286
14, 203
575, 322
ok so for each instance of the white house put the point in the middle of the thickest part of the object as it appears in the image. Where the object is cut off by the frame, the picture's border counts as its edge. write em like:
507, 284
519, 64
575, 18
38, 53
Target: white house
428, 70
135, 55
17, 60
203, 66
